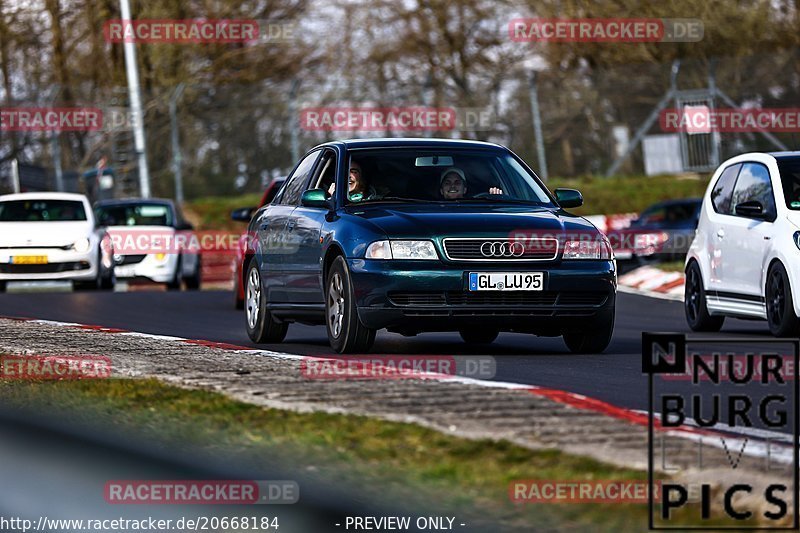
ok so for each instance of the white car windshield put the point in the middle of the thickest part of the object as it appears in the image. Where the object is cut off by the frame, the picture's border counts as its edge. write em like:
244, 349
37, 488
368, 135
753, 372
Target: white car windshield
134, 215
42, 211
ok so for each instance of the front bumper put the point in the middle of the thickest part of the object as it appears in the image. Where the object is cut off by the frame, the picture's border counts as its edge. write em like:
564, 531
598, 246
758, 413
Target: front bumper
146, 266
414, 296
61, 264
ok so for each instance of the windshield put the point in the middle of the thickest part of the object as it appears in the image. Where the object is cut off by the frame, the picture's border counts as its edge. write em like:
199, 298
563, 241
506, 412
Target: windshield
405, 175
134, 215
42, 211
790, 178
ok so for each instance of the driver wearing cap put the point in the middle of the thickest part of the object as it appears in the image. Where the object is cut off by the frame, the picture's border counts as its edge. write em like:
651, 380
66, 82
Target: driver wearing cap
453, 184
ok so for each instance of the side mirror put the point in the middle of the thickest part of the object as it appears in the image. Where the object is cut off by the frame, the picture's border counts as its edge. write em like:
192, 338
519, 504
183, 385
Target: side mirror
569, 197
184, 226
315, 198
243, 214
751, 209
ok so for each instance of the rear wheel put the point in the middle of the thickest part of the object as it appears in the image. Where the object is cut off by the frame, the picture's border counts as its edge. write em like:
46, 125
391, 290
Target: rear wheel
2, 286
780, 304
346, 332
478, 335
593, 337
261, 326
694, 302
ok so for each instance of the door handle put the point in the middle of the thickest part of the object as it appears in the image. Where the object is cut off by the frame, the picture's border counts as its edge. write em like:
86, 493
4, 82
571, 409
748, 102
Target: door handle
290, 225
720, 233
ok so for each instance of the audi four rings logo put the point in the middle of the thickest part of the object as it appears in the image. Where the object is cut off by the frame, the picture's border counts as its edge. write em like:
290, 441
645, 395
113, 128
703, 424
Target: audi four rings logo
502, 249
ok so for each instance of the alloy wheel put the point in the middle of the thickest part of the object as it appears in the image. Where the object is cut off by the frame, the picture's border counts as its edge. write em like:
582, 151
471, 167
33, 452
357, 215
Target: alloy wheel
253, 297
336, 304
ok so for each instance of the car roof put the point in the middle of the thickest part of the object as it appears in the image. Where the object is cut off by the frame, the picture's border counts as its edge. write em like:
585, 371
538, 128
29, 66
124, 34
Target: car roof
44, 196
134, 201
415, 142
785, 155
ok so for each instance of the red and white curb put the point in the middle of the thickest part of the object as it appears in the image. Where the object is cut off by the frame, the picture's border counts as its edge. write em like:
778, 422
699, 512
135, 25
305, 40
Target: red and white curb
650, 281
759, 439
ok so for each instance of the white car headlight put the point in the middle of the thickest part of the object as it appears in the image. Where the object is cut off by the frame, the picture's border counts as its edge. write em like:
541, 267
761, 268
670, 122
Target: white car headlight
401, 250
82, 245
597, 248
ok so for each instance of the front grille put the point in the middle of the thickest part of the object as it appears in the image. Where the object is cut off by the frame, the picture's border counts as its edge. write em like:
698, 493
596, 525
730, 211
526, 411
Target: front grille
528, 249
130, 259
49, 268
501, 299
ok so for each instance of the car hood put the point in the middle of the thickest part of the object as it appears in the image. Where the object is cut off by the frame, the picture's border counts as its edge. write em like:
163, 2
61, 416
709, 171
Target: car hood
45, 234
465, 220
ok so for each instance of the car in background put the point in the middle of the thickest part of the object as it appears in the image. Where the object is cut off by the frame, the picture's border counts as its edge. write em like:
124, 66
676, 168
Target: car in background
143, 230
743, 261
244, 214
53, 236
409, 256
662, 232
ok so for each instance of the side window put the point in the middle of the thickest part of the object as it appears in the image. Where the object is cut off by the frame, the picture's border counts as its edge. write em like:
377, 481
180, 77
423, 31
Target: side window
326, 172
295, 184
754, 185
721, 194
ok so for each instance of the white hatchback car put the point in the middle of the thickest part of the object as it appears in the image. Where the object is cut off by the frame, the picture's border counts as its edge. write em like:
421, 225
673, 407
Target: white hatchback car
744, 260
53, 236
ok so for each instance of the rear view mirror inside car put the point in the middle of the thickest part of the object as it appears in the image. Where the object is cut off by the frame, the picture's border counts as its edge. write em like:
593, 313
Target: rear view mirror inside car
434, 161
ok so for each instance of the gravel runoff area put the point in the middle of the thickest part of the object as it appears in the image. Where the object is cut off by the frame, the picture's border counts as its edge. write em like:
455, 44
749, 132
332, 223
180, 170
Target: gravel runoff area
528, 416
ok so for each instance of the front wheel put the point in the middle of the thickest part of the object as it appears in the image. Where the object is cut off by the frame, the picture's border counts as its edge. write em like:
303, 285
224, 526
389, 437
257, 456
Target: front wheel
694, 303
261, 326
780, 304
593, 337
346, 332
193, 282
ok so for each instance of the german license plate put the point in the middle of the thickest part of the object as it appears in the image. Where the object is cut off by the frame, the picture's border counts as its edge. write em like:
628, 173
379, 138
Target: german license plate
506, 281
29, 259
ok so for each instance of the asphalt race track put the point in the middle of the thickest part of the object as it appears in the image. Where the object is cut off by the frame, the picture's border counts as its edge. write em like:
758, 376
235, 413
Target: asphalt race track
614, 376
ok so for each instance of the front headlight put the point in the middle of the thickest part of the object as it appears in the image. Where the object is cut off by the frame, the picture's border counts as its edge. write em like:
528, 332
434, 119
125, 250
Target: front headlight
401, 250
596, 248
82, 245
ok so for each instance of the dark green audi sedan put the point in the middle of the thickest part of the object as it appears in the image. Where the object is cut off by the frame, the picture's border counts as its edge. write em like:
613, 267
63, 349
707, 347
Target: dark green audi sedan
417, 235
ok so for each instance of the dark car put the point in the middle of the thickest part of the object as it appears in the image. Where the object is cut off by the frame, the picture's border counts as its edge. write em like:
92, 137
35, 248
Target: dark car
394, 248
662, 232
244, 214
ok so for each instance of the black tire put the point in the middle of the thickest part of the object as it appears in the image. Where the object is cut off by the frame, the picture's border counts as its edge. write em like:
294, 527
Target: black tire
782, 320
346, 333
193, 282
2, 286
175, 283
107, 279
592, 337
479, 335
261, 327
694, 302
